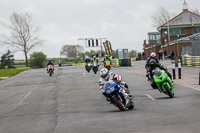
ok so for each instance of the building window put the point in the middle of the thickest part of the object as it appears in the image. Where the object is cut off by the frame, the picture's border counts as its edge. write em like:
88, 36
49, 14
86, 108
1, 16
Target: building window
152, 37
196, 30
176, 31
158, 38
155, 37
182, 31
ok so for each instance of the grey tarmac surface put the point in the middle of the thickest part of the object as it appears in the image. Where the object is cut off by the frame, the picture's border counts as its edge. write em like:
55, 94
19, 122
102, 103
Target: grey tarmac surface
70, 102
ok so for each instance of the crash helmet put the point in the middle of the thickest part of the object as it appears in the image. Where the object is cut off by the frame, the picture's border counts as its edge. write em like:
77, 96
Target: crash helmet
87, 57
104, 73
152, 63
153, 55
117, 78
107, 66
49, 61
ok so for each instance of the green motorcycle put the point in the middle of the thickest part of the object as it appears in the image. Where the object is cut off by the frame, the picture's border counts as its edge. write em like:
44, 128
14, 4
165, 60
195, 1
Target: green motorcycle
163, 82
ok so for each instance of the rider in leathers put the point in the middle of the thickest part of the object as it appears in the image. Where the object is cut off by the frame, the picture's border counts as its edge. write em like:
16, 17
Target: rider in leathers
106, 59
87, 60
50, 63
106, 76
95, 60
152, 55
152, 65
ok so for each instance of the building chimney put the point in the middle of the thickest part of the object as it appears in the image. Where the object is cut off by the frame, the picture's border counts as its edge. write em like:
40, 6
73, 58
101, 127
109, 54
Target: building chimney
145, 44
185, 6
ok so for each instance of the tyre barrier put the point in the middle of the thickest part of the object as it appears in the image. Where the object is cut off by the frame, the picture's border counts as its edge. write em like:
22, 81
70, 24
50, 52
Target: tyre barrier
190, 61
121, 62
115, 62
197, 61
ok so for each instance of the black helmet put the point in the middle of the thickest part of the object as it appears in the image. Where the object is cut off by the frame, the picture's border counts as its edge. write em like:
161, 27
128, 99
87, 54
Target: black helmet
152, 63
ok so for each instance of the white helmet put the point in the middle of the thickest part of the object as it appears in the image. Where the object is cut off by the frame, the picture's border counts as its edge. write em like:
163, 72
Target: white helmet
104, 73
153, 55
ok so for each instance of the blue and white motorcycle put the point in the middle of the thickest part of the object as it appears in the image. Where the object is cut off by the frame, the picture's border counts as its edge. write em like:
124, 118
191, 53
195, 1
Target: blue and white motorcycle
95, 68
117, 96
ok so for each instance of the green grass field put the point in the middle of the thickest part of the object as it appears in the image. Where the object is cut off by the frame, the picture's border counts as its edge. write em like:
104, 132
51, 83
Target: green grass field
11, 72
19, 66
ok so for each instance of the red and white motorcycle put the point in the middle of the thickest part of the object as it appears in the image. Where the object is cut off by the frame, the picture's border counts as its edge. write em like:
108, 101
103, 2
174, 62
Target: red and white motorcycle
50, 70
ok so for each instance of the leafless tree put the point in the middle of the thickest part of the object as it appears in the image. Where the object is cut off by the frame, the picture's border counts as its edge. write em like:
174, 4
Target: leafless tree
196, 11
23, 33
161, 16
71, 50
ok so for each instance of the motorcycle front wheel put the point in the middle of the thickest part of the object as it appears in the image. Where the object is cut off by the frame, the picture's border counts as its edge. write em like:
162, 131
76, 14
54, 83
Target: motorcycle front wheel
119, 103
168, 91
132, 105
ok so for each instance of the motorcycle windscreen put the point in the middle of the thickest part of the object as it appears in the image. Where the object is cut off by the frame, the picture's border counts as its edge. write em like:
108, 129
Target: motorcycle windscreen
108, 83
157, 72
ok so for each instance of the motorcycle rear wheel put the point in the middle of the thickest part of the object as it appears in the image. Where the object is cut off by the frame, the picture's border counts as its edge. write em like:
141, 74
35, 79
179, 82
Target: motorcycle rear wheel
119, 103
168, 91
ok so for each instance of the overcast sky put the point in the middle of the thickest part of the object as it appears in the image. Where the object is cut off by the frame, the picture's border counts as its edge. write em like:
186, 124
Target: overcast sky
125, 23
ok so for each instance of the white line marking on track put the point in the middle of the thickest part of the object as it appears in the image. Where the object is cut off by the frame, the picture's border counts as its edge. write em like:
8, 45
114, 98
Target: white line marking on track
25, 97
150, 97
35, 86
189, 87
27, 94
84, 73
20, 102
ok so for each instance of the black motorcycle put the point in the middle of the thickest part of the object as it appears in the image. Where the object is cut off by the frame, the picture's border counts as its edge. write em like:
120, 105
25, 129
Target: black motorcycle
88, 67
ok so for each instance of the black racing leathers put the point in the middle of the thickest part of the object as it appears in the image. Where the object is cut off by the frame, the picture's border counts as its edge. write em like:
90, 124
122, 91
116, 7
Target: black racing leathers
147, 62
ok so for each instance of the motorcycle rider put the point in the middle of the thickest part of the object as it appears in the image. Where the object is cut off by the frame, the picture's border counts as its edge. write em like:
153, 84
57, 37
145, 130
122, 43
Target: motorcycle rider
106, 76
50, 63
87, 60
106, 59
107, 66
152, 55
95, 60
152, 65
59, 63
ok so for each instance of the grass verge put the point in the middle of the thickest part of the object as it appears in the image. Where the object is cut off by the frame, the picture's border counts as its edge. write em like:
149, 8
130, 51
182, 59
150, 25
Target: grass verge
19, 66
11, 72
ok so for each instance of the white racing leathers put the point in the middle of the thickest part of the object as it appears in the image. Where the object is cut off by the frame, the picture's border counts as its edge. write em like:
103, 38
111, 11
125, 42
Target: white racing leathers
112, 76
103, 80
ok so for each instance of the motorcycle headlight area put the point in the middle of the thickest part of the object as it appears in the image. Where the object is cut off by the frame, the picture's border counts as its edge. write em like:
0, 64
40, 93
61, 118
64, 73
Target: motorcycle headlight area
110, 90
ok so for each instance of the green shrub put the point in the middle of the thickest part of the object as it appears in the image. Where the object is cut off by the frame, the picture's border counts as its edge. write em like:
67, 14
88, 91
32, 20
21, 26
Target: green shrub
76, 61
38, 59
